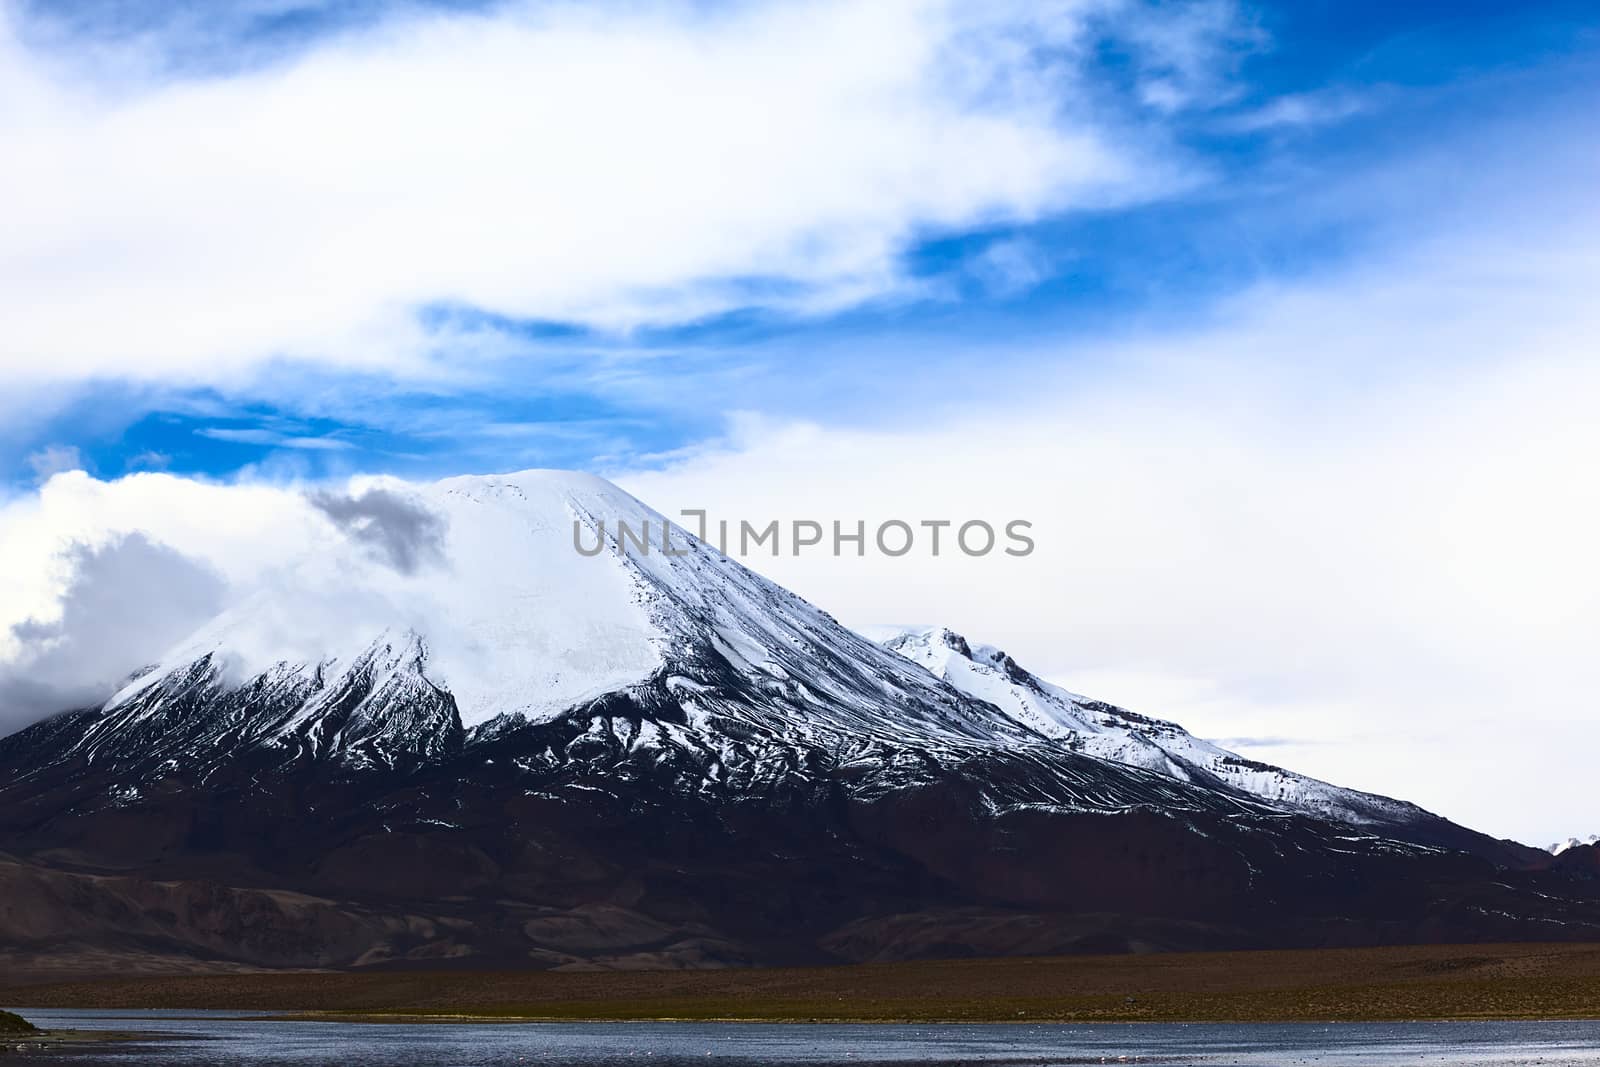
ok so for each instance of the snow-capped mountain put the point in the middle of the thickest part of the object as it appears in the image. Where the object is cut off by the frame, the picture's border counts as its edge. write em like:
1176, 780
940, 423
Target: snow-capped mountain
1570, 843
467, 758
1109, 732
517, 627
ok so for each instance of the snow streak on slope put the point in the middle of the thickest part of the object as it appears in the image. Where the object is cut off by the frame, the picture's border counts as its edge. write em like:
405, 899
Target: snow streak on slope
1105, 731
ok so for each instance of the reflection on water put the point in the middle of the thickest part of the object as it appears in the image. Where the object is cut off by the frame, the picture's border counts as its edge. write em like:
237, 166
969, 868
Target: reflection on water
226, 1038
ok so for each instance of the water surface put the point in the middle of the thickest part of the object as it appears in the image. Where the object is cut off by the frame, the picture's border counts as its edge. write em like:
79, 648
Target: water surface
208, 1037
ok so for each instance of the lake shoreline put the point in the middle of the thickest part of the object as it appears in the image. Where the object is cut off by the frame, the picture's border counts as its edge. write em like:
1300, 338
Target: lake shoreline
1464, 983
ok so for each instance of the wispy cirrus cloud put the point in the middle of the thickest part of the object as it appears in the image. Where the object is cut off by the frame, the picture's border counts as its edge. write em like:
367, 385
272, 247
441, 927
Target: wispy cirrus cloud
1268, 741
53, 459
1302, 110
273, 439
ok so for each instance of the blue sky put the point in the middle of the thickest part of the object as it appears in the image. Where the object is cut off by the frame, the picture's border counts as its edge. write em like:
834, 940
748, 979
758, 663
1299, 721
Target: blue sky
1299, 139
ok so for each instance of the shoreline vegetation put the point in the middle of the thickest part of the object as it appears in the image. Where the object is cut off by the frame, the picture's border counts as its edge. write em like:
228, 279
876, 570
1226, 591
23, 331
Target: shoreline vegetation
17, 1033
15, 1026
1412, 983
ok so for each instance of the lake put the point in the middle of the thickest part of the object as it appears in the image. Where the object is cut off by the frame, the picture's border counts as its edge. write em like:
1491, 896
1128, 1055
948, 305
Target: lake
202, 1037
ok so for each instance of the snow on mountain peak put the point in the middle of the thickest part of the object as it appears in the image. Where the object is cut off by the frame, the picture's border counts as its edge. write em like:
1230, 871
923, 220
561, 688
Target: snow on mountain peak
992, 676
514, 619
1559, 847
1109, 732
537, 601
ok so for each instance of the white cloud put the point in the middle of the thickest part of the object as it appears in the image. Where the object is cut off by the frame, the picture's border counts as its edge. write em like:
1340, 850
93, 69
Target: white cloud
1299, 522
99, 578
611, 165
124, 602
244, 532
